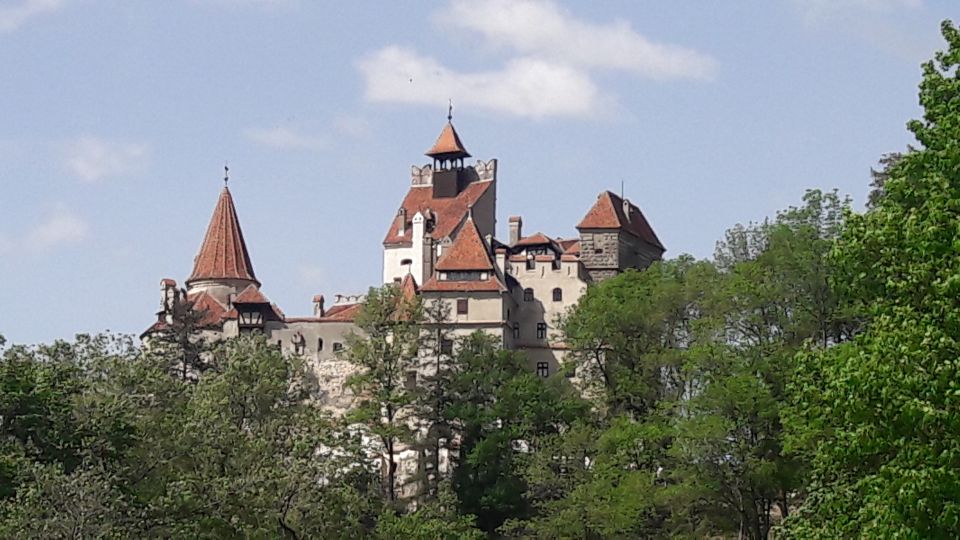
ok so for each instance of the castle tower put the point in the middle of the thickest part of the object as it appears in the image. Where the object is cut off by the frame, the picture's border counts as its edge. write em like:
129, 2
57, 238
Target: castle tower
222, 267
435, 208
614, 236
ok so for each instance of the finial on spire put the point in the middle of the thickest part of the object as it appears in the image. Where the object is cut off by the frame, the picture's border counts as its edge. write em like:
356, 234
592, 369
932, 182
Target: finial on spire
226, 173
449, 110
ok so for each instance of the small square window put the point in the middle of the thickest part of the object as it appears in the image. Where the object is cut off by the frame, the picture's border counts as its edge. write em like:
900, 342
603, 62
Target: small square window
446, 346
337, 346
543, 369
462, 306
528, 295
558, 295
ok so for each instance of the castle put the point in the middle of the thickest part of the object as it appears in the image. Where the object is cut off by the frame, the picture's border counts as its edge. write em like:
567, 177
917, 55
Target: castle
441, 246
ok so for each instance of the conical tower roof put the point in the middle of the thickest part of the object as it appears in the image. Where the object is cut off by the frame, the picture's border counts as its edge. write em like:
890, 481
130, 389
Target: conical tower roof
223, 254
448, 145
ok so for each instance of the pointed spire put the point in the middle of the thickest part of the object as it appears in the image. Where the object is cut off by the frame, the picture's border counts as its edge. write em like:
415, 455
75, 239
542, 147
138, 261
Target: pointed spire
223, 254
448, 145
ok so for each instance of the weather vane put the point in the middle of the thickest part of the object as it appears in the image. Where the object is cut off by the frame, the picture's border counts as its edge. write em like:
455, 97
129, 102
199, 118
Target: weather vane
450, 110
226, 173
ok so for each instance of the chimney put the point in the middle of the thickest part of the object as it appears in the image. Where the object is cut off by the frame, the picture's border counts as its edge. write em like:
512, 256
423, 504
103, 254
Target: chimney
516, 232
428, 251
318, 310
402, 221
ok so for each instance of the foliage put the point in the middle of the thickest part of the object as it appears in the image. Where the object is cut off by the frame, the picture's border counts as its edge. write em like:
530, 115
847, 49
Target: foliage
384, 352
238, 452
878, 415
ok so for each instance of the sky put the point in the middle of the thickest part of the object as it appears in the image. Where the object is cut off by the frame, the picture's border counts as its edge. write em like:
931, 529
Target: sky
117, 117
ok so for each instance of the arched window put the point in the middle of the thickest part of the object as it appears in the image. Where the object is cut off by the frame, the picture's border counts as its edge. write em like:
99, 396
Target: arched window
558, 295
528, 295
319, 344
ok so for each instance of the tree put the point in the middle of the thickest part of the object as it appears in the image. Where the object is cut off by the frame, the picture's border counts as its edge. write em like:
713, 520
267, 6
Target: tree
385, 352
237, 452
877, 415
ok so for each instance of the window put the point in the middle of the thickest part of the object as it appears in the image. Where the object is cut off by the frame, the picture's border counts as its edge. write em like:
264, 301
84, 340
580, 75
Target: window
543, 369
528, 295
516, 330
531, 264
446, 346
251, 318
558, 295
462, 306
337, 346
319, 344
466, 275
406, 262
598, 250
410, 383
541, 330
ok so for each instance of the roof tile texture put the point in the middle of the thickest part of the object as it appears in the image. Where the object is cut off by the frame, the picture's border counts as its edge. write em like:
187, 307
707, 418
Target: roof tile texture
608, 213
448, 212
448, 144
223, 254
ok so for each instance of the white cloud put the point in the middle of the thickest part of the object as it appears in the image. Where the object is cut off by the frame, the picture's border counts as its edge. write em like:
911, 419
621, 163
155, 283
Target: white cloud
14, 14
543, 29
526, 86
93, 159
550, 59
60, 227
285, 138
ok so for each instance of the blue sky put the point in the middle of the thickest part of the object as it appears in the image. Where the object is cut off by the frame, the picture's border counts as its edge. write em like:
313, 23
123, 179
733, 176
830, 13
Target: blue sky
116, 119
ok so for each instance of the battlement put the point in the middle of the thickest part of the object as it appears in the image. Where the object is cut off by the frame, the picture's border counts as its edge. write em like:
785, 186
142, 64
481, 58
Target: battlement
481, 171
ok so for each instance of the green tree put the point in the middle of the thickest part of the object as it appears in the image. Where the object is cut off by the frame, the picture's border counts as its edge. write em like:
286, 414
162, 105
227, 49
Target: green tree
238, 452
877, 415
386, 352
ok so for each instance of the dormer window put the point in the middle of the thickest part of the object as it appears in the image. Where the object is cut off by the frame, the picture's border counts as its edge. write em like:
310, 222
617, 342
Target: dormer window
251, 318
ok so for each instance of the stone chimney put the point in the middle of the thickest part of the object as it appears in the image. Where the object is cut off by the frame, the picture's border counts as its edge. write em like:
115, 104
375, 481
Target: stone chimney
318, 310
516, 229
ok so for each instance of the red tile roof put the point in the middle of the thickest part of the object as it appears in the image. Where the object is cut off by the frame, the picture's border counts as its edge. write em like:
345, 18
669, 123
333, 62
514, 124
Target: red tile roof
408, 288
448, 145
491, 284
534, 239
468, 252
448, 212
608, 213
214, 310
571, 245
342, 312
223, 254
251, 295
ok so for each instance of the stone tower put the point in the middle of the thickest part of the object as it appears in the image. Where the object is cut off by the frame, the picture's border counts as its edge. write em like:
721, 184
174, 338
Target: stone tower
614, 236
